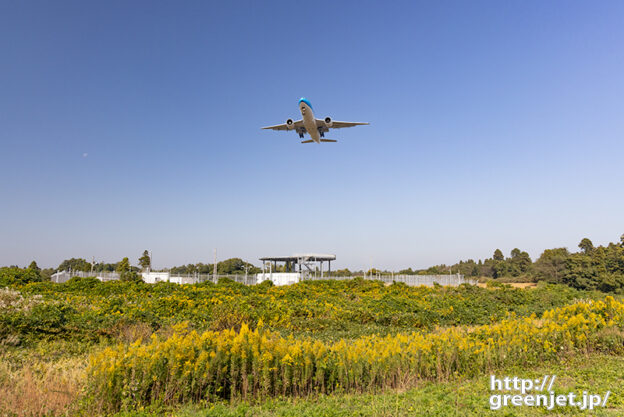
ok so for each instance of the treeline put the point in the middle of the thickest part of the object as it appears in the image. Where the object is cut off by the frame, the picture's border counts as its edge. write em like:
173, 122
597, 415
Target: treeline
10, 275
227, 267
230, 266
80, 264
591, 268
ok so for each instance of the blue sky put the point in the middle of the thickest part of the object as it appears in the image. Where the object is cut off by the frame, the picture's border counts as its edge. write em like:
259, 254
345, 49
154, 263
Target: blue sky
127, 126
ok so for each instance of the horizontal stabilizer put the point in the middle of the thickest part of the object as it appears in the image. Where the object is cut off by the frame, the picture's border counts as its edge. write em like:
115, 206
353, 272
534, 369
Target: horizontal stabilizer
307, 141
328, 140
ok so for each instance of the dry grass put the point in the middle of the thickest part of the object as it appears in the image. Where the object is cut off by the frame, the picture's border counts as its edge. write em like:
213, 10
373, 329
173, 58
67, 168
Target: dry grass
40, 388
130, 333
513, 284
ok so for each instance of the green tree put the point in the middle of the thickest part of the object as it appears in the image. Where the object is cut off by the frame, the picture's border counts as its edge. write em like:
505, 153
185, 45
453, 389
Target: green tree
486, 269
145, 261
34, 267
102, 267
130, 276
341, 273
586, 245
551, 265
602, 268
74, 264
520, 262
501, 269
46, 274
236, 266
498, 255
125, 271
123, 266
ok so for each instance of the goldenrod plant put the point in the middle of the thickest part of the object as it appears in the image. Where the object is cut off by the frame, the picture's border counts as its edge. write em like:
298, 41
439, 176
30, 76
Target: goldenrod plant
228, 364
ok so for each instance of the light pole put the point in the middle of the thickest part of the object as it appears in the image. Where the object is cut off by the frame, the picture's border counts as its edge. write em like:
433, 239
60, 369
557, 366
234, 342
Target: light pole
214, 268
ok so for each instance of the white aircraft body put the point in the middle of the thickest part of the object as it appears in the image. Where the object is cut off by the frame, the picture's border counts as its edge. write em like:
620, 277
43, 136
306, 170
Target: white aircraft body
316, 128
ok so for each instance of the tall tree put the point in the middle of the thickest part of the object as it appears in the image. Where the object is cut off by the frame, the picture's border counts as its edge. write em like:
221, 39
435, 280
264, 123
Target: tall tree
551, 265
498, 255
34, 267
145, 261
520, 262
586, 245
123, 266
125, 271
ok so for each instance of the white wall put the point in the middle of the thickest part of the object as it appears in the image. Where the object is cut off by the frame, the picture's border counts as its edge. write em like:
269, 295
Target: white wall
279, 278
154, 277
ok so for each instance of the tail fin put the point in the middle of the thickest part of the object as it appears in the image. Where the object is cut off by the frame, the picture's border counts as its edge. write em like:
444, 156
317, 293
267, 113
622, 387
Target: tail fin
328, 140
307, 141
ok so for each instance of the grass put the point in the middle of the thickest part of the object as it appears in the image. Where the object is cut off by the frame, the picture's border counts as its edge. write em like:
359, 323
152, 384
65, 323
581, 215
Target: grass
34, 383
470, 397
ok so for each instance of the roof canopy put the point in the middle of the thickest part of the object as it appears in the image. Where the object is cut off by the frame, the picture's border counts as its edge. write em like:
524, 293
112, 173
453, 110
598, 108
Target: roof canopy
300, 257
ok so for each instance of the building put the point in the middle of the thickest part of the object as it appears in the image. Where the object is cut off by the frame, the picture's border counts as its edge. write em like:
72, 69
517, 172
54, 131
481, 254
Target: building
296, 268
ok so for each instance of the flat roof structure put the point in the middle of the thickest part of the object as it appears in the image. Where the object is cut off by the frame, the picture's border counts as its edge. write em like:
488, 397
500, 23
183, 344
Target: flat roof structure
305, 261
314, 257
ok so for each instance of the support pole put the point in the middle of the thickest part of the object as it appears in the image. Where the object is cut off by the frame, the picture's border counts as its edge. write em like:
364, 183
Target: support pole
214, 267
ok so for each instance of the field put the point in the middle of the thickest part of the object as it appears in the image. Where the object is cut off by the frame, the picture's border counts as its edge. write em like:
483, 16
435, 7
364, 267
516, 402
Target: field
317, 348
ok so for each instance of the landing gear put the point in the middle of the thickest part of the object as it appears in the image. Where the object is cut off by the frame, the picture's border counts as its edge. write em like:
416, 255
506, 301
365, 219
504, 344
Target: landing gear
301, 135
321, 132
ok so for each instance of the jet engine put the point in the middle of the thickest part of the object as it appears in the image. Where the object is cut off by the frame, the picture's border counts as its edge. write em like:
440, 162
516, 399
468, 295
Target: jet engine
328, 121
290, 124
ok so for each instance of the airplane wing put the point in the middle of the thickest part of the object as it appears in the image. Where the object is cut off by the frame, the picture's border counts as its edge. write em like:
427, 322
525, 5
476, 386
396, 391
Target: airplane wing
337, 125
298, 125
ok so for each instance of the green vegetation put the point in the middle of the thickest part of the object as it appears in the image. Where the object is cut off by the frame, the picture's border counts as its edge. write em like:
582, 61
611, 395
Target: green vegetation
191, 367
145, 261
230, 266
592, 268
594, 373
87, 309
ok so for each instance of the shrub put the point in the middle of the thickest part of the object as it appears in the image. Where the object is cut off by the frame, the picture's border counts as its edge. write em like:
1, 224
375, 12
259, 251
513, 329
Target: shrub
190, 366
18, 276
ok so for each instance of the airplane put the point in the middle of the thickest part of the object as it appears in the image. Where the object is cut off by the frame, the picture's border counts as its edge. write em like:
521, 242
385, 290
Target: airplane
316, 128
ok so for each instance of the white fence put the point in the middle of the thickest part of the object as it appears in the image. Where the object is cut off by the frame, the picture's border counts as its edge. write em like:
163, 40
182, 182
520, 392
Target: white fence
276, 277
64, 276
413, 280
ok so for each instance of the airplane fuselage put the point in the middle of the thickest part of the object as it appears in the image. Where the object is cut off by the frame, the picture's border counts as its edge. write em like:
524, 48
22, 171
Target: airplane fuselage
309, 122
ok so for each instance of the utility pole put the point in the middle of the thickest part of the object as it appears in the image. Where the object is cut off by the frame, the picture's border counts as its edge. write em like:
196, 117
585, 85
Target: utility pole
214, 267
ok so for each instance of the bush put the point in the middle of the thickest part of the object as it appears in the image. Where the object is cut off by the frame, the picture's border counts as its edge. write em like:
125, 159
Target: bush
18, 276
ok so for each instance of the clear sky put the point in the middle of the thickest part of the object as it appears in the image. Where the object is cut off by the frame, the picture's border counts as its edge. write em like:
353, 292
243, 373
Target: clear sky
135, 125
